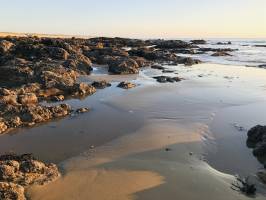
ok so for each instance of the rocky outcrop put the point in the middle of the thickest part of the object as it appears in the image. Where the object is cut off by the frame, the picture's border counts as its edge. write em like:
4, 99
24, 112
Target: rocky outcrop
20, 171
123, 65
33, 70
162, 56
172, 44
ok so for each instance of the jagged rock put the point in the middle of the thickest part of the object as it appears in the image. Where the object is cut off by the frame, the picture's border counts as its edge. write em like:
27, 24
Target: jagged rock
83, 89
126, 85
15, 122
19, 171
9, 99
101, 84
123, 65
79, 62
11, 191
26, 99
5, 46
3, 127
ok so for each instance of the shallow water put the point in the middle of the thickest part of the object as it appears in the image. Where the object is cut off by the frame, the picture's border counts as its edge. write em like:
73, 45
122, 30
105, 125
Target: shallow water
196, 118
247, 53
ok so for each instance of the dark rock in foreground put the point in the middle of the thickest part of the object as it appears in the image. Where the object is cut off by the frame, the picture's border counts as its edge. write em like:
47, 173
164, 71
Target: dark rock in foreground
19, 171
257, 141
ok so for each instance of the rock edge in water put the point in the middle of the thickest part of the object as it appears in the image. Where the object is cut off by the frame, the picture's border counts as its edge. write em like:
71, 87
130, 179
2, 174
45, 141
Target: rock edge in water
257, 141
17, 172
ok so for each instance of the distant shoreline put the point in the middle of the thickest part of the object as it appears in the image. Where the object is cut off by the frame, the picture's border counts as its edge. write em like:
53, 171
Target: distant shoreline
13, 34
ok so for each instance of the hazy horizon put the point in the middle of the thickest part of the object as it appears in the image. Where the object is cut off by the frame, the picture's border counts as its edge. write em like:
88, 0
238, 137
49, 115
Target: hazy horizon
138, 19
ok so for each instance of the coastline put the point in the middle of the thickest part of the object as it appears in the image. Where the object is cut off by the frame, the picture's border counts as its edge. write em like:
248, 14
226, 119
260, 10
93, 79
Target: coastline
142, 155
142, 122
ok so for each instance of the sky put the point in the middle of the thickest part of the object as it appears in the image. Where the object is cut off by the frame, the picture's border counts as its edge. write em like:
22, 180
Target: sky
137, 18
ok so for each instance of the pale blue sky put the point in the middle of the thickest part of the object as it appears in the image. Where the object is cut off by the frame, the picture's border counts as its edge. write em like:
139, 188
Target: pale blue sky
136, 18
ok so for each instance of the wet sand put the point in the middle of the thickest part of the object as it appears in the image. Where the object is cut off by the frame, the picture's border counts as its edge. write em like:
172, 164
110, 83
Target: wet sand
195, 119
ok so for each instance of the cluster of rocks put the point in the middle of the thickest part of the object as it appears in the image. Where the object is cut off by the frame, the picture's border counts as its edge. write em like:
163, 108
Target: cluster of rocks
34, 69
257, 141
167, 79
22, 106
17, 172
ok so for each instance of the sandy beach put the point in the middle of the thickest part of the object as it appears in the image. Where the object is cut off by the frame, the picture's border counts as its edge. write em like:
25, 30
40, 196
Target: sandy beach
180, 147
126, 119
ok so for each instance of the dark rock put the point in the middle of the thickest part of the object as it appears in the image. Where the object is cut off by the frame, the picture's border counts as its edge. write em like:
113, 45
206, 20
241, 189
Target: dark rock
126, 85
82, 89
198, 42
123, 65
221, 53
165, 79
171, 44
224, 43
79, 62
82, 110
262, 176
168, 71
260, 45
262, 66
157, 67
101, 84
257, 134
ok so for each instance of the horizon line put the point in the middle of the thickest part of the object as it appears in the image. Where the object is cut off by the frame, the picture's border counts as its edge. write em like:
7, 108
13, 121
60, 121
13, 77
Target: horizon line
84, 36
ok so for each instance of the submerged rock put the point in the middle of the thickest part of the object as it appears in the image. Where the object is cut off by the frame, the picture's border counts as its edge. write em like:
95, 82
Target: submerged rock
82, 110
101, 84
221, 53
126, 85
165, 79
